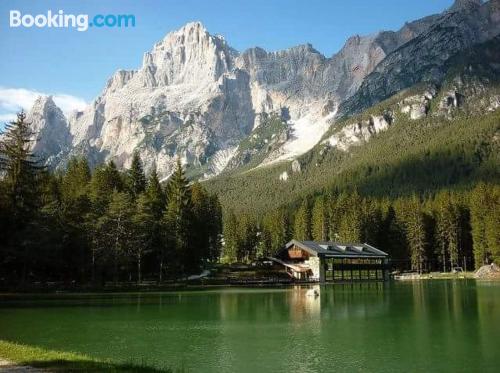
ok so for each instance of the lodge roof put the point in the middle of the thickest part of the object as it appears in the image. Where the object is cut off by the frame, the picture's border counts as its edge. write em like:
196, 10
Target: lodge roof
339, 250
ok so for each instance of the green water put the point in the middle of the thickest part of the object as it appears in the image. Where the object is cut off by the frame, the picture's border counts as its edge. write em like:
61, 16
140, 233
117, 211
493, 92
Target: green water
451, 326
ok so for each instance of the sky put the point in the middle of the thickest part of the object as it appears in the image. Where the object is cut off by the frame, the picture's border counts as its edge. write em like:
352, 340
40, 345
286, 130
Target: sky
74, 66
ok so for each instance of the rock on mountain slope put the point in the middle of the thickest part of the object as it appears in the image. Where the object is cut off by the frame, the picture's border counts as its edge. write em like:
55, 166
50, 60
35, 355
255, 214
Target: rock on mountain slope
51, 128
423, 59
422, 139
196, 98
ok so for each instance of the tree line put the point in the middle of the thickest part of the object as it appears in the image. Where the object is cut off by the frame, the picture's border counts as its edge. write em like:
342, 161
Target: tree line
92, 226
436, 232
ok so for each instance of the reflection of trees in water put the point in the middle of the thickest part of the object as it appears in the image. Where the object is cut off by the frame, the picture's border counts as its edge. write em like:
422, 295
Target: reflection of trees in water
444, 314
488, 313
259, 305
448, 323
354, 300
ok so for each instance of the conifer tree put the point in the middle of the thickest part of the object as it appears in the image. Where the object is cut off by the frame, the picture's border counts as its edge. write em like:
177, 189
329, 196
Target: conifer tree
156, 198
231, 239
76, 209
136, 179
214, 228
155, 193
178, 220
21, 181
247, 239
200, 224
105, 180
116, 229
302, 224
478, 209
440, 224
492, 223
320, 219
74, 183
277, 224
21, 168
349, 211
415, 234
144, 228
391, 233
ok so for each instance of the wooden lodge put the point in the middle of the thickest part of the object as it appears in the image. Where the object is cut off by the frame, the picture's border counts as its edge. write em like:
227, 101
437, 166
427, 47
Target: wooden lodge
332, 261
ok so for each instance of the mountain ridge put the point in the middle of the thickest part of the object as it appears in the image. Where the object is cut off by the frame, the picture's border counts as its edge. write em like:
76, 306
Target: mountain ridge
196, 98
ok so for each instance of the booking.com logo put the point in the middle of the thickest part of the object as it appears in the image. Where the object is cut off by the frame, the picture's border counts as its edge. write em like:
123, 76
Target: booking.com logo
78, 21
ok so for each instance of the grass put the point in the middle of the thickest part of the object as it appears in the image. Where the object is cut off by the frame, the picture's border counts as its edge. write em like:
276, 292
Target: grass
58, 361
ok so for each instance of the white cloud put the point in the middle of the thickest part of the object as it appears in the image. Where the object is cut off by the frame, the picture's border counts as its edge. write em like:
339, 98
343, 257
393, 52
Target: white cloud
14, 99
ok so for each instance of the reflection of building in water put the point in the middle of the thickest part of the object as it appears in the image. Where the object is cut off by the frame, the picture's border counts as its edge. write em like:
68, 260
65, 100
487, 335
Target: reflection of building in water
332, 261
303, 304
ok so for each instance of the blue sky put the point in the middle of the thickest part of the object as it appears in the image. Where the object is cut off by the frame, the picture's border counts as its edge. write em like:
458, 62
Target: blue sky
74, 65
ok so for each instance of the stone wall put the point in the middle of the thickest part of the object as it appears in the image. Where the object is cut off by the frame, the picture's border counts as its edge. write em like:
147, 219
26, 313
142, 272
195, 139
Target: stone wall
317, 267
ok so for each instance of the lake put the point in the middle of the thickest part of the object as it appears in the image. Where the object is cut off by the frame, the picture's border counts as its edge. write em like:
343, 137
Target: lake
436, 325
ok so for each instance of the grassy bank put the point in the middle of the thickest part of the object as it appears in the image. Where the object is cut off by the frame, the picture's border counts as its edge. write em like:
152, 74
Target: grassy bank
58, 361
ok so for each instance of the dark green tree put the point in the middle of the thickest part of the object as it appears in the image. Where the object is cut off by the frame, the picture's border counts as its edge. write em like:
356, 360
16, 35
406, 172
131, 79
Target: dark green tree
302, 224
231, 238
320, 218
105, 180
115, 227
178, 220
135, 178
156, 197
76, 211
143, 222
478, 211
22, 173
415, 233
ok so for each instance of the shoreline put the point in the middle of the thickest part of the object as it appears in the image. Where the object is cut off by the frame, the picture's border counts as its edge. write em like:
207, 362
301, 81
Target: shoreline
10, 366
24, 358
207, 287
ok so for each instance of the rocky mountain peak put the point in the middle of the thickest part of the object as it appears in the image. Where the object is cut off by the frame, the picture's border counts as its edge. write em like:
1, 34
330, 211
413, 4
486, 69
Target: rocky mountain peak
459, 5
50, 127
43, 104
196, 98
188, 55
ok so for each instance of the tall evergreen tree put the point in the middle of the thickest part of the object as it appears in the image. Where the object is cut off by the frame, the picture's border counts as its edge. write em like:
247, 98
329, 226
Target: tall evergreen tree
302, 224
247, 239
105, 180
214, 228
156, 197
200, 225
478, 209
21, 179
75, 180
415, 234
116, 230
231, 239
349, 218
492, 223
21, 168
277, 224
136, 179
178, 220
320, 219
75, 209
144, 232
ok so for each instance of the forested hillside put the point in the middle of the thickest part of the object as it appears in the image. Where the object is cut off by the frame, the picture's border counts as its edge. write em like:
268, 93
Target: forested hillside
89, 227
417, 175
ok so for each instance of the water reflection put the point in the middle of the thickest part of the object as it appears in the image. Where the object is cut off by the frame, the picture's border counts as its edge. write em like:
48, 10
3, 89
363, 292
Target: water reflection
404, 326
